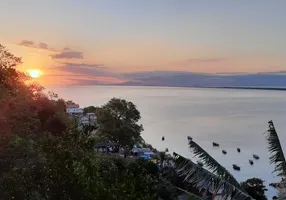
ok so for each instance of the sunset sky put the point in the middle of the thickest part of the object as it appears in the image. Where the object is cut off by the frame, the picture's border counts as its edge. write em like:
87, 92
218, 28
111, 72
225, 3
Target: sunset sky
74, 41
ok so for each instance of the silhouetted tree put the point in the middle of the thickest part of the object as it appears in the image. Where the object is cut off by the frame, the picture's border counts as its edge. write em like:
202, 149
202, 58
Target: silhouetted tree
255, 188
118, 121
277, 158
89, 109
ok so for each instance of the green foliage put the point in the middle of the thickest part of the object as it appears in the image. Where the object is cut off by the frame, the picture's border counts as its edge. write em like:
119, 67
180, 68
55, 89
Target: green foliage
9, 77
275, 148
66, 167
52, 95
203, 179
255, 188
20, 162
277, 158
166, 191
16, 99
118, 121
57, 124
60, 105
7, 59
212, 164
42, 157
24, 107
70, 102
89, 109
84, 174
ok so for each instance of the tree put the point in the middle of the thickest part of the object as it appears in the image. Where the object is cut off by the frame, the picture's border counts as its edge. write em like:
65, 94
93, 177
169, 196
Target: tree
51, 168
118, 121
24, 107
9, 77
277, 158
39, 162
255, 188
212, 164
275, 148
52, 95
57, 124
220, 178
89, 109
70, 102
213, 179
61, 105
16, 98
204, 180
52, 115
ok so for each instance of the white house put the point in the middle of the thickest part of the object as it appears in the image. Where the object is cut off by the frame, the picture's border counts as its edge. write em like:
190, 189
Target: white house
74, 109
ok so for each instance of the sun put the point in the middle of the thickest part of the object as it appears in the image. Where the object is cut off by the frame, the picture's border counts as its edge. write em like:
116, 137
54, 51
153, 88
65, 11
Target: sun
34, 73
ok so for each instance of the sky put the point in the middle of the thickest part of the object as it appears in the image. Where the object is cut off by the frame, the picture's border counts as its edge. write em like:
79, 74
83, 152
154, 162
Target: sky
76, 41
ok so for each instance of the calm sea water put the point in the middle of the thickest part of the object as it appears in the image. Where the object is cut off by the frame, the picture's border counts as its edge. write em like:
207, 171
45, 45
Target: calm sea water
233, 118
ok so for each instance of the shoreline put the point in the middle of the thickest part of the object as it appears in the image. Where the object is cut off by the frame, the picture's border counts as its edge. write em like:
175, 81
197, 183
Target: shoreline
162, 86
246, 88
208, 87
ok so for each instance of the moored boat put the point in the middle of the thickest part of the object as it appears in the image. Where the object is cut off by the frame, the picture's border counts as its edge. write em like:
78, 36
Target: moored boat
255, 156
236, 167
251, 162
215, 144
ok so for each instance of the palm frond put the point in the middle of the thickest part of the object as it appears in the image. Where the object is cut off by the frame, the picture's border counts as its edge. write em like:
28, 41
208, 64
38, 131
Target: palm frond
212, 164
203, 179
189, 193
275, 148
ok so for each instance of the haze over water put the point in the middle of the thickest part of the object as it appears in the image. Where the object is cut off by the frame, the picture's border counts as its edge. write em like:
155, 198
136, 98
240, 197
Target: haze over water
233, 118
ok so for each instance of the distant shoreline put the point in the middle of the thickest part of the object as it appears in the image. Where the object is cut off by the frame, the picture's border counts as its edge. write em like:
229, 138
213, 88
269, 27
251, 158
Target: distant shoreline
211, 87
201, 87
247, 88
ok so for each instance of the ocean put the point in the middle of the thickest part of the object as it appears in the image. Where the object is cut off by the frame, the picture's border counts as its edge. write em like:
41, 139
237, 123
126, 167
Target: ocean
234, 118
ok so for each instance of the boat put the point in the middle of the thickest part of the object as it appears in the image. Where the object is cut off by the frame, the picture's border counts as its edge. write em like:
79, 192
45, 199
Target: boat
163, 138
236, 167
255, 156
238, 150
251, 162
224, 152
215, 144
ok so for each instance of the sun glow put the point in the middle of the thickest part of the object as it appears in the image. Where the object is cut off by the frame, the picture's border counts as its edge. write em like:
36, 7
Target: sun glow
34, 73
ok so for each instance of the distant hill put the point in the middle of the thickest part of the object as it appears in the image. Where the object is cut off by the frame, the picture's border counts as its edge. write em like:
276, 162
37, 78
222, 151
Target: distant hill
132, 83
189, 79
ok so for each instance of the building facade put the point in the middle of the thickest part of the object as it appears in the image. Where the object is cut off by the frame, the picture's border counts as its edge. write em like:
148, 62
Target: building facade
74, 109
